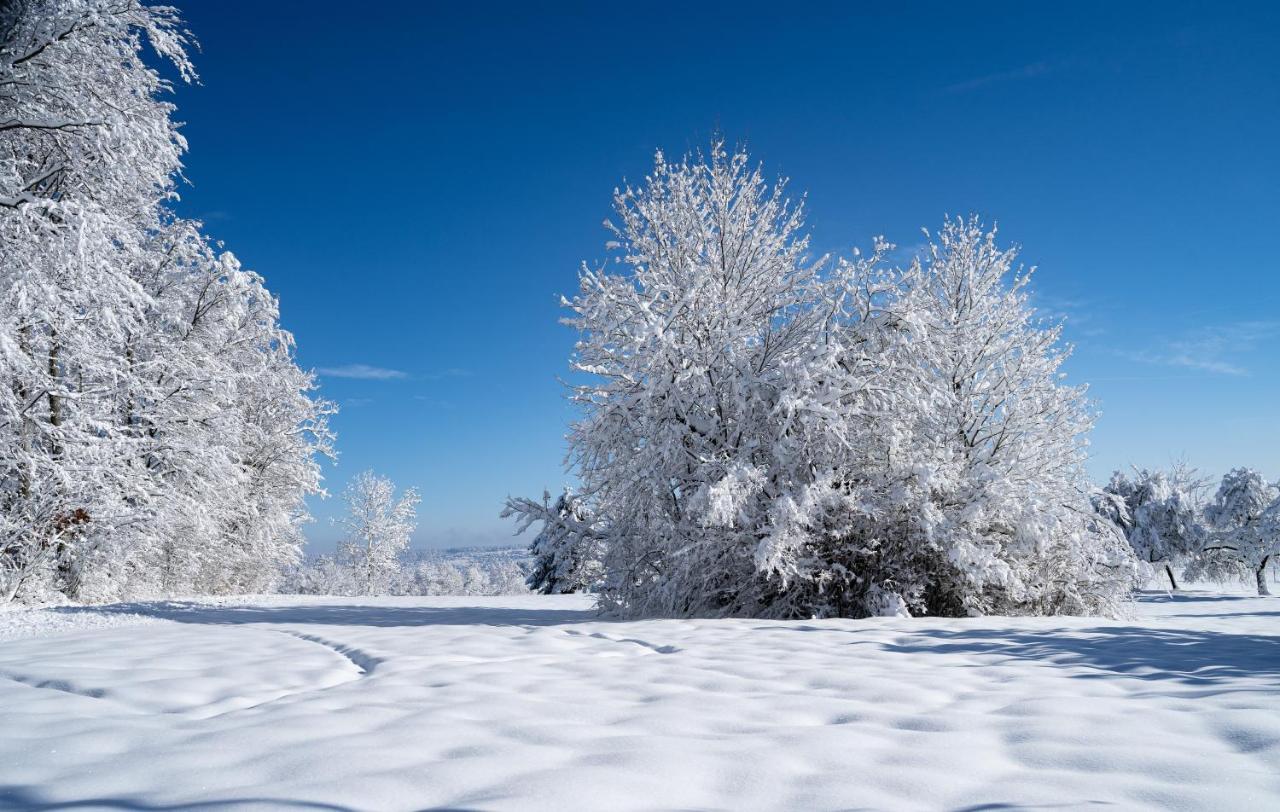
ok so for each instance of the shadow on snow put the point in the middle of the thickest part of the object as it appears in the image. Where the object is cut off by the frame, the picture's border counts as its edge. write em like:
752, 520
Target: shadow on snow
1160, 596
342, 615
29, 799
1191, 657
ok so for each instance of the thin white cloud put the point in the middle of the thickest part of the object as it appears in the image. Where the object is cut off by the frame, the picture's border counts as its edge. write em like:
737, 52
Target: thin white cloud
1016, 74
1062, 308
452, 372
1187, 361
904, 254
435, 403
1212, 349
363, 372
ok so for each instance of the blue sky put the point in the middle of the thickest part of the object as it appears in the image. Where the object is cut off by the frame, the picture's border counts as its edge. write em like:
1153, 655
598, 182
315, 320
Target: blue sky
419, 182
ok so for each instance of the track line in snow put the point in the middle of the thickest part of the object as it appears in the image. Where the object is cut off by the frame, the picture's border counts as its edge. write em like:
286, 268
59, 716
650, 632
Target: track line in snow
658, 649
62, 686
54, 685
364, 662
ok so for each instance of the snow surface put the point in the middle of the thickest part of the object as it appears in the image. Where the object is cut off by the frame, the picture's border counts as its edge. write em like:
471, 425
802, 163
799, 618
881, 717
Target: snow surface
535, 703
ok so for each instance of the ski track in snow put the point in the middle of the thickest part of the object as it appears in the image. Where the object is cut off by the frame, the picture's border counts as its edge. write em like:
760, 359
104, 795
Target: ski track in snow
657, 649
536, 703
360, 660
54, 685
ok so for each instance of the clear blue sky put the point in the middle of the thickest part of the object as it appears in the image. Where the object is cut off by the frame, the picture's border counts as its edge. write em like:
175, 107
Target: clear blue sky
418, 182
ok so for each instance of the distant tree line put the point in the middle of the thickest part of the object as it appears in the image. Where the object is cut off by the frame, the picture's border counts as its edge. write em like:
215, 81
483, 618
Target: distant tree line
424, 573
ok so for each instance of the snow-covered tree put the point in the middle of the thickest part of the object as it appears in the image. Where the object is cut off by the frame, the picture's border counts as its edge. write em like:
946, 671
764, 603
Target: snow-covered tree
764, 437
971, 495
156, 433
282, 428
83, 123
1160, 516
567, 552
1244, 529
378, 527
690, 350
87, 154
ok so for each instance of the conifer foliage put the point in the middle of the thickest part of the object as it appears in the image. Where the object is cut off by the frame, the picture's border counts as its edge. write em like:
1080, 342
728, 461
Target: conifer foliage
567, 553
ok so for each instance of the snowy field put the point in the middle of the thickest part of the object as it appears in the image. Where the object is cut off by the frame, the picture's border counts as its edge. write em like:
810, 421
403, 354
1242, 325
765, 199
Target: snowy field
533, 703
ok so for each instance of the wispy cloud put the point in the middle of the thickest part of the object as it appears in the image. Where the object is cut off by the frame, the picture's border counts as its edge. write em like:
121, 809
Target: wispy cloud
1078, 314
363, 372
1030, 71
452, 372
1187, 361
1216, 350
904, 254
434, 403
368, 372
1061, 308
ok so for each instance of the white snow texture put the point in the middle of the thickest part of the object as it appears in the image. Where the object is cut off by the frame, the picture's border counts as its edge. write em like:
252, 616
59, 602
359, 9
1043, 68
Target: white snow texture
536, 703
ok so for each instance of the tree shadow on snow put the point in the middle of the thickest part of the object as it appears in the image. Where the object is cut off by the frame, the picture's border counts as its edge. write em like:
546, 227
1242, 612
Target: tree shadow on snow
1193, 602
993, 807
29, 799
1225, 614
342, 615
1190, 657
1154, 596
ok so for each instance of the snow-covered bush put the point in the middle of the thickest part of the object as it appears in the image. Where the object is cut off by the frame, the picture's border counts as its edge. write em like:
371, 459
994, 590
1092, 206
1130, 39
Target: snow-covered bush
1244, 529
766, 435
378, 527
1159, 514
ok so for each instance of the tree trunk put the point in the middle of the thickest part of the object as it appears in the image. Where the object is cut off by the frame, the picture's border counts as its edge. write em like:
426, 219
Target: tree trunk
55, 401
1262, 577
24, 476
1173, 583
